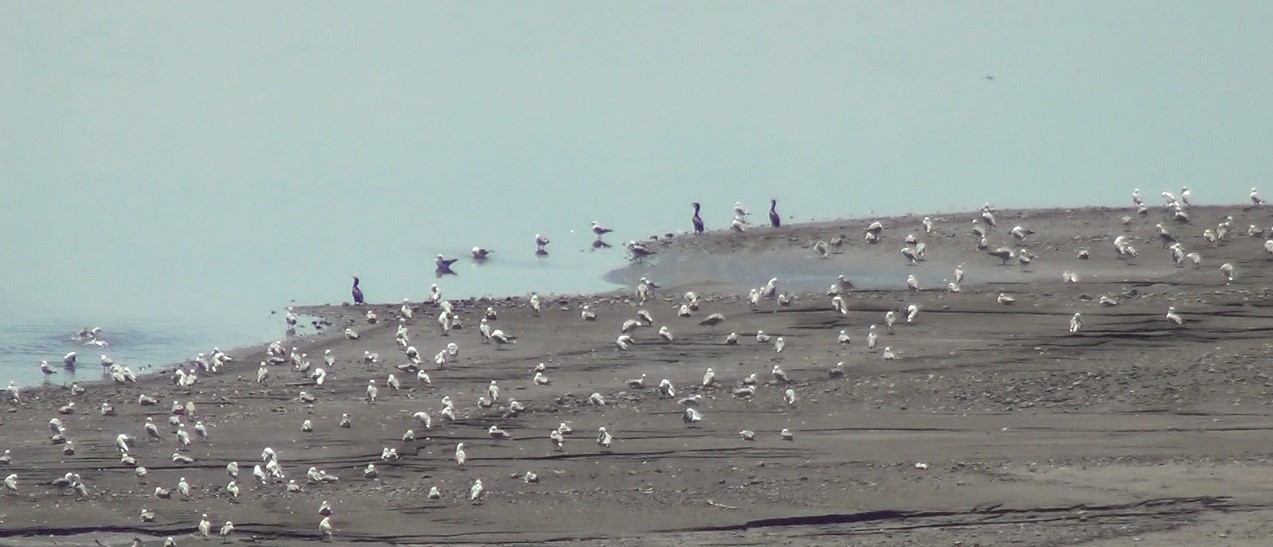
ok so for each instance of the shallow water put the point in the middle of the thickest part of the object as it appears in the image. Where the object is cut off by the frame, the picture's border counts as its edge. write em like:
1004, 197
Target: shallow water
228, 317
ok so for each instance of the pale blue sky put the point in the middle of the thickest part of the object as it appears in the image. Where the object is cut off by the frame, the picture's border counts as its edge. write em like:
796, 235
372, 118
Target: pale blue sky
236, 152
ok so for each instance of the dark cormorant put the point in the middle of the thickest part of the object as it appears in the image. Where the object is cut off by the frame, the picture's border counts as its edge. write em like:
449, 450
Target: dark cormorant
697, 220
773, 214
357, 292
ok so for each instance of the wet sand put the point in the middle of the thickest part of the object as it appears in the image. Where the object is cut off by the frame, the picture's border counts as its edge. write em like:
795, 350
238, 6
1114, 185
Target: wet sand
995, 425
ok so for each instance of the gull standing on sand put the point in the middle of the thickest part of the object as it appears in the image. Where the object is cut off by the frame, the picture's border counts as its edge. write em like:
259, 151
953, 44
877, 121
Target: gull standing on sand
1076, 323
665, 334
1226, 269
534, 304
779, 344
912, 283
1173, 317
624, 342
843, 338
911, 312
888, 354
604, 438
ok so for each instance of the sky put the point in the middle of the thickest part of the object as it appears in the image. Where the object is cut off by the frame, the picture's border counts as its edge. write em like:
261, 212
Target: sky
199, 155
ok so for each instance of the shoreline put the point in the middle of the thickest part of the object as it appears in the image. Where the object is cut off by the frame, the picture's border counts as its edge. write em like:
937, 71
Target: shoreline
990, 408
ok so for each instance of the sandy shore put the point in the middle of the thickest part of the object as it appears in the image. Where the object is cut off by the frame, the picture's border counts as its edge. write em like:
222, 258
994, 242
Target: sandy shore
994, 426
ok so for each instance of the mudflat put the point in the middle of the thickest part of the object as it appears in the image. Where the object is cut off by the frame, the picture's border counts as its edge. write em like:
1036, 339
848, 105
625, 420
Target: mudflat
994, 424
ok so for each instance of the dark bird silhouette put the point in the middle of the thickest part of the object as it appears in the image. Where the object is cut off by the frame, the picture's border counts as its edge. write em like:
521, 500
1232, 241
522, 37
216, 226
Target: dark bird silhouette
774, 219
697, 220
357, 292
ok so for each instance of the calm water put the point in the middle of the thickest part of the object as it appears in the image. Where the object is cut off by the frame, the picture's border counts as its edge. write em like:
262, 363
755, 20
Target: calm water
229, 316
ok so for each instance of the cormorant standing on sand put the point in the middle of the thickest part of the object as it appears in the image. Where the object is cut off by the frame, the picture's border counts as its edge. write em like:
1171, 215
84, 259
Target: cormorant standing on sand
357, 292
697, 220
773, 214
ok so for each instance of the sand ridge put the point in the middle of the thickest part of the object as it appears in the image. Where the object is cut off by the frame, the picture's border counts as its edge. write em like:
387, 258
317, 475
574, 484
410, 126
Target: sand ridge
995, 425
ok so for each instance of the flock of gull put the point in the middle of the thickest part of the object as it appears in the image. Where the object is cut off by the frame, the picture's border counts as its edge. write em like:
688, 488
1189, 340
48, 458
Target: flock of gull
185, 427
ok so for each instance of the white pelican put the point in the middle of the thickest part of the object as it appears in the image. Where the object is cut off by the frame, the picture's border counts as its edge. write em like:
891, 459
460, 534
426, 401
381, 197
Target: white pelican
888, 354
1076, 323
665, 334
604, 438
843, 338
587, 314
